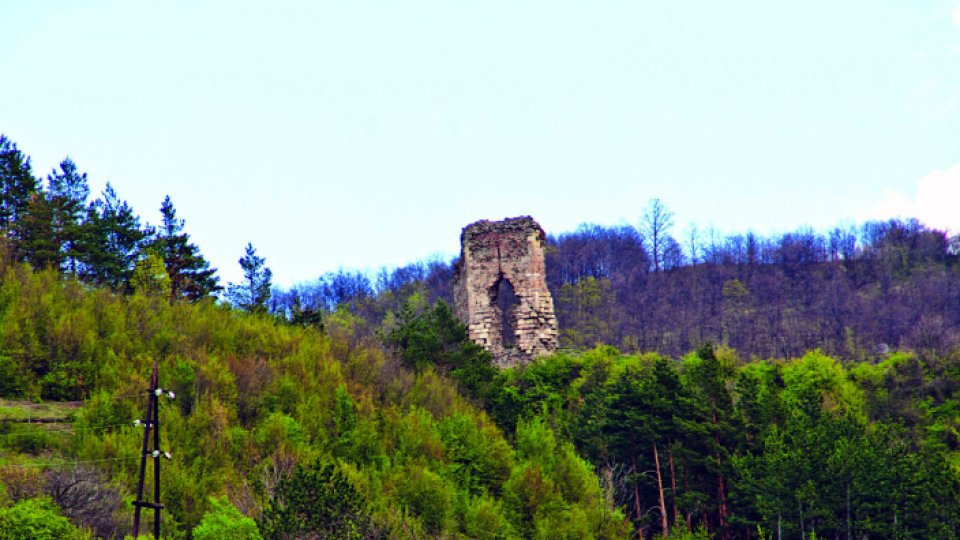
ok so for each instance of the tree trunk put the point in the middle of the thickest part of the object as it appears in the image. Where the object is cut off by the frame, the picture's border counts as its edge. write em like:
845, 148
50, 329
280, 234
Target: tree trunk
849, 527
663, 505
636, 501
803, 534
721, 488
673, 483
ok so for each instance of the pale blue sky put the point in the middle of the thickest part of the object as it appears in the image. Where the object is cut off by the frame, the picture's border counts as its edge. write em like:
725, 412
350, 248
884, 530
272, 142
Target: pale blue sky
359, 134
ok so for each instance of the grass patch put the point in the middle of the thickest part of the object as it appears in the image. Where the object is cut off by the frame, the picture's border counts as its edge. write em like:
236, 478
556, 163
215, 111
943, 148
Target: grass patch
22, 411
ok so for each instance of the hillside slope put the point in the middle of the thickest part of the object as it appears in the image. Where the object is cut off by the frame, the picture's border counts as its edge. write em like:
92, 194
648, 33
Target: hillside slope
261, 409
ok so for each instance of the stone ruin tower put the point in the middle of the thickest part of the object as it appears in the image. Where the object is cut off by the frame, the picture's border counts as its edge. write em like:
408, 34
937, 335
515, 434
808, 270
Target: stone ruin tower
500, 290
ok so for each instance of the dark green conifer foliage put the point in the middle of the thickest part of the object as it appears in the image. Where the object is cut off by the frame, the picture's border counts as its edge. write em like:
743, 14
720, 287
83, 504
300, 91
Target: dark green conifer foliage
190, 274
316, 502
17, 186
35, 233
306, 316
111, 242
252, 294
50, 229
436, 337
67, 192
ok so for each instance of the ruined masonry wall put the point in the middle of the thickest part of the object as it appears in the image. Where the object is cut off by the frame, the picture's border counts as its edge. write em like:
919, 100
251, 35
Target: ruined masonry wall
513, 250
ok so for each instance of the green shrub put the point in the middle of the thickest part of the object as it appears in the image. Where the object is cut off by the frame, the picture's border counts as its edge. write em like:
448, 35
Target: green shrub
427, 495
13, 383
36, 519
317, 499
224, 522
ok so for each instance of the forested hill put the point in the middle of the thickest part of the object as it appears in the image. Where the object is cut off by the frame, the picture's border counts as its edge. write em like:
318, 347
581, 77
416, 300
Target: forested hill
358, 408
854, 293
313, 434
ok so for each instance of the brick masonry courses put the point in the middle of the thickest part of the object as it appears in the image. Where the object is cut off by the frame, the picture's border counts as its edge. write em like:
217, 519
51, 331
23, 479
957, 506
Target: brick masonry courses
511, 250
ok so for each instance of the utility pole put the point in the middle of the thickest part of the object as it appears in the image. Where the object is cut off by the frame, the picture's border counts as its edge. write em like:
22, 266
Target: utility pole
151, 423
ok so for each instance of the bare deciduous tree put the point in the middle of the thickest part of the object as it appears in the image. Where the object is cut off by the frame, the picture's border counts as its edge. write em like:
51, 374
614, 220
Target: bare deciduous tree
656, 224
85, 497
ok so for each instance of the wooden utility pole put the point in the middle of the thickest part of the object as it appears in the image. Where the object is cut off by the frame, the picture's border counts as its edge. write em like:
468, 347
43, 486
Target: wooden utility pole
151, 423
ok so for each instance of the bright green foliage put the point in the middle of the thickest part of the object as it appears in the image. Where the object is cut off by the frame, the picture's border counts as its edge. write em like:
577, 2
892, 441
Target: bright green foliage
527, 491
478, 460
224, 522
794, 446
256, 399
536, 442
791, 445
818, 382
318, 499
552, 493
484, 520
150, 277
36, 519
428, 496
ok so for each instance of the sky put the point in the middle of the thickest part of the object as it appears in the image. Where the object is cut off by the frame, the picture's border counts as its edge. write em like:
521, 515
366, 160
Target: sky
367, 134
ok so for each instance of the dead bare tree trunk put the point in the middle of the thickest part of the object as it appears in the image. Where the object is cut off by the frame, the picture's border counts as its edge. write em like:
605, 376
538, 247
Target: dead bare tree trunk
673, 481
636, 501
663, 505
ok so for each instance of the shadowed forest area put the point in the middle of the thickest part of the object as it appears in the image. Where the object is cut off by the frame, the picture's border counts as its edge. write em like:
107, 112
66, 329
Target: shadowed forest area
803, 385
854, 293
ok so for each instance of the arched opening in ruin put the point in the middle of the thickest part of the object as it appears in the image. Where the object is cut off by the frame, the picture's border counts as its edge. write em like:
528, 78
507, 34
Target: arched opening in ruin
505, 298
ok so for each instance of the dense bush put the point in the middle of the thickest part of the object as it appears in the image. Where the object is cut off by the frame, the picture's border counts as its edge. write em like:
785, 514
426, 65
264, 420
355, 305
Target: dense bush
37, 519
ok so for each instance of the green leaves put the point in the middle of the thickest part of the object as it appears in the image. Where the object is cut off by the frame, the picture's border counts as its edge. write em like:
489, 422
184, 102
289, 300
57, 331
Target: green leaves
36, 519
224, 522
318, 499
436, 338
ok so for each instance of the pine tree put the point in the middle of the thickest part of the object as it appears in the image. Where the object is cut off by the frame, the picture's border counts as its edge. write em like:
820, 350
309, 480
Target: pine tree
17, 187
190, 274
317, 501
49, 231
36, 238
111, 242
67, 192
253, 292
